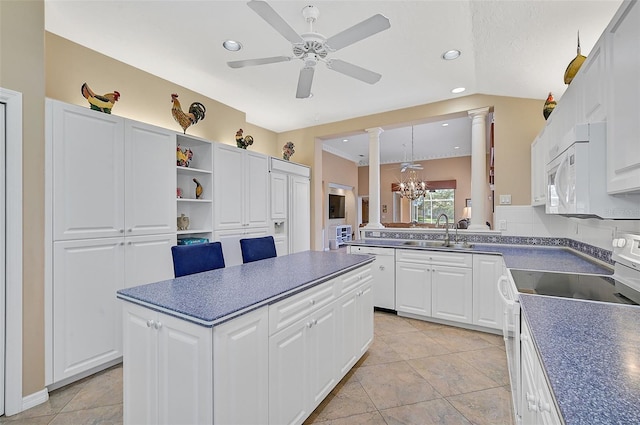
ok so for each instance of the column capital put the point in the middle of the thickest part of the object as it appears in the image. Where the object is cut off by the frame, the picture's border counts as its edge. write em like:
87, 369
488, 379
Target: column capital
480, 112
373, 130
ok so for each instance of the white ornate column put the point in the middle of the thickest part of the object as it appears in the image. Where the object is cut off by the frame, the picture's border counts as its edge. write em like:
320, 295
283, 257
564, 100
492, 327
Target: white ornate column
479, 179
374, 178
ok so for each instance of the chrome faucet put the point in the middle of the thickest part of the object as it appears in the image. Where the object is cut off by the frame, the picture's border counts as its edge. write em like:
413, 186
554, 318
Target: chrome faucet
447, 240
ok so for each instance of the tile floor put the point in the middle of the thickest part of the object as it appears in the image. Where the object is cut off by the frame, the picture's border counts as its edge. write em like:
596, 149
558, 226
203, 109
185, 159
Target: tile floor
414, 373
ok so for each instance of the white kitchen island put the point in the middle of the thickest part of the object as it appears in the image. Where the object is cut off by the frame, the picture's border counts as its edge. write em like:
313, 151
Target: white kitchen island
259, 343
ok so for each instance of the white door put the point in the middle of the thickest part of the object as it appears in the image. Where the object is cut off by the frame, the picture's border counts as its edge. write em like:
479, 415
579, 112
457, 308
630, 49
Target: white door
87, 325
278, 196
384, 279
300, 217
364, 318
487, 305
451, 293
347, 332
413, 288
2, 253
256, 190
88, 177
322, 366
148, 259
150, 178
228, 187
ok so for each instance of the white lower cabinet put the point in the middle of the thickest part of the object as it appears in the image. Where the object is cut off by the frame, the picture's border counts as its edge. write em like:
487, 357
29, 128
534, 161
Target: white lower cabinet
148, 259
241, 365
452, 293
538, 406
413, 288
356, 334
487, 305
167, 369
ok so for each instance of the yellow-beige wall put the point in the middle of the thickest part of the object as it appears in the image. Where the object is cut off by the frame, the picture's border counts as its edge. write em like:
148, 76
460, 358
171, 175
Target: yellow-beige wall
27, 51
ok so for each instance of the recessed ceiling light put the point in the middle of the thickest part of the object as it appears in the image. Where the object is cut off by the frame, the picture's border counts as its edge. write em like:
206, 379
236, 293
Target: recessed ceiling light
458, 90
445, 124
232, 45
345, 140
456, 147
451, 55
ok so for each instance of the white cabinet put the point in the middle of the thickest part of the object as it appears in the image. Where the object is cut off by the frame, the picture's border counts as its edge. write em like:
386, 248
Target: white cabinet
538, 405
591, 81
299, 214
148, 259
241, 188
538, 170
341, 234
167, 370
452, 293
241, 365
199, 210
487, 305
623, 103
278, 195
434, 284
384, 274
230, 240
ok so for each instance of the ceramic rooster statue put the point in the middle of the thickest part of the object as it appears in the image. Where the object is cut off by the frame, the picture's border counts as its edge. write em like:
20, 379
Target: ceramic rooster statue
243, 142
198, 188
100, 103
195, 114
548, 106
574, 65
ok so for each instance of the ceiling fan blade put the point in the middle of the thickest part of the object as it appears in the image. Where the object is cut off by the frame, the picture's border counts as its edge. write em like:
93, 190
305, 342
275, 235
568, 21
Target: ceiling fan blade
403, 169
261, 61
358, 32
267, 13
304, 83
354, 71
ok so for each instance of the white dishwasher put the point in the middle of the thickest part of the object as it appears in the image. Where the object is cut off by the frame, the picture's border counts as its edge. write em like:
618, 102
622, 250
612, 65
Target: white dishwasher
384, 274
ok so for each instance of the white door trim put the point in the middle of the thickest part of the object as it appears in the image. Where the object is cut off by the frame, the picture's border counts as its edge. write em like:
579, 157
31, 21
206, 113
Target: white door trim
13, 194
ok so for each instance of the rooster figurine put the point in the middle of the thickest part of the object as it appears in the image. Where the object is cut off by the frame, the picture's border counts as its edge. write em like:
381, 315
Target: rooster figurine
243, 142
100, 103
198, 188
548, 106
196, 113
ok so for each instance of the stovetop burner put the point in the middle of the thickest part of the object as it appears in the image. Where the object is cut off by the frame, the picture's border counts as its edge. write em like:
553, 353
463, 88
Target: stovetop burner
568, 285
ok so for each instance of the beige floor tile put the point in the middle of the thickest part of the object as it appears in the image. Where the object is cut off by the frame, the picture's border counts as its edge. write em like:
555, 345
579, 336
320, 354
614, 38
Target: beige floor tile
38, 420
451, 375
379, 352
105, 389
458, 339
486, 407
413, 345
371, 418
104, 415
490, 361
497, 340
394, 384
351, 399
423, 325
389, 323
433, 412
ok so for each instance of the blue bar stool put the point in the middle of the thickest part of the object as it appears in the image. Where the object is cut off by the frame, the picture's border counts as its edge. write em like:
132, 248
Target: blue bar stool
190, 259
255, 249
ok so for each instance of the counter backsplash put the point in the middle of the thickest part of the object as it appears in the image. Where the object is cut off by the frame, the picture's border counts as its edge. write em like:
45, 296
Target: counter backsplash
589, 250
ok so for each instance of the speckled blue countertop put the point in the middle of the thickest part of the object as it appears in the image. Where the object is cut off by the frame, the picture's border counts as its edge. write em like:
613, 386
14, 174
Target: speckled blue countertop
559, 259
216, 296
591, 355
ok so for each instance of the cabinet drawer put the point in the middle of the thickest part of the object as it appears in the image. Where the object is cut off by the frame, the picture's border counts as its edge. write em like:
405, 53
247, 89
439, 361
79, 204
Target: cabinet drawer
288, 311
456, 259
370, 250
353, 279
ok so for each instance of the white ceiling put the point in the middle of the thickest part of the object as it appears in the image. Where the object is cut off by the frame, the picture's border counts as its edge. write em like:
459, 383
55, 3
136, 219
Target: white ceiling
509, 48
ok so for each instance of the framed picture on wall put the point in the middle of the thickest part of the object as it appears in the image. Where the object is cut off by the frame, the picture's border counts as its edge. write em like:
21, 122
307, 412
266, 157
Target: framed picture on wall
467, 202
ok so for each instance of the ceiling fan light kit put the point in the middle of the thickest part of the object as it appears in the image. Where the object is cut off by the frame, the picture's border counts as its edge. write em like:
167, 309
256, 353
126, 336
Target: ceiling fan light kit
312, 47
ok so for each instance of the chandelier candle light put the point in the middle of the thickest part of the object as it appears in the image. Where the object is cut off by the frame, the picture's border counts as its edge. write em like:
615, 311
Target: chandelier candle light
413, 188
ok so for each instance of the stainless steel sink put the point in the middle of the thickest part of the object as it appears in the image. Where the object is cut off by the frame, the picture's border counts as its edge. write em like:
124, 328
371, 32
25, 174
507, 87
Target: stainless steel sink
438, 244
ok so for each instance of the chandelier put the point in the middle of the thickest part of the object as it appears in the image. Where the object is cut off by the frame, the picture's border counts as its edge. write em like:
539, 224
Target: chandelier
413, 188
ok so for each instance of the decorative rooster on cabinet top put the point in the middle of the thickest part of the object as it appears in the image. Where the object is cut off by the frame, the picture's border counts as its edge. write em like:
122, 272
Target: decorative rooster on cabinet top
195, 114
100, 103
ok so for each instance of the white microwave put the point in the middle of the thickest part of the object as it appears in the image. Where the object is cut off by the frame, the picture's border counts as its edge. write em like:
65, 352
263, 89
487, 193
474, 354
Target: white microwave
576, 180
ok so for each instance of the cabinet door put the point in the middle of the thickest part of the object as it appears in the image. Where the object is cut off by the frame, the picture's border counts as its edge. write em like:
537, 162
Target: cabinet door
228, 186
528, 396
623, 125
364, 318
384, 281
256, 189
140, 367
240, 361
88, 173
452, 293
322, 366
282, 245
148, 259
185, 372
150, 193
413, 288
279, 198
230, 240
348, 337
86, 315
592, 85
288, 377
300, 214
487, 305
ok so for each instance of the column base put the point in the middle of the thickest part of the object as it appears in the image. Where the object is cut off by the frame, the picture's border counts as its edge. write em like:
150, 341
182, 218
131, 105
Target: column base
373, 226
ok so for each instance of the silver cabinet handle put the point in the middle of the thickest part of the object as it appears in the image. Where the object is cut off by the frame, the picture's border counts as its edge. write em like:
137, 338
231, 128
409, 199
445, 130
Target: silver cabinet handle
130, 230
309, 324
150, 323
381, 267
121, 230
315, 321
524, 337
157, 325
543, 406
312, 302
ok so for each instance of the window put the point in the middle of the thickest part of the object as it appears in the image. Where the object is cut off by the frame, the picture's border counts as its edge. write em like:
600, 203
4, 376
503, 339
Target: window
437, 201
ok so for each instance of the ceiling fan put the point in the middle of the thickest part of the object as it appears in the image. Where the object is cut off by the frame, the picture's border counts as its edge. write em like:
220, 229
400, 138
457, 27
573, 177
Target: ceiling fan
410, 165
312, 47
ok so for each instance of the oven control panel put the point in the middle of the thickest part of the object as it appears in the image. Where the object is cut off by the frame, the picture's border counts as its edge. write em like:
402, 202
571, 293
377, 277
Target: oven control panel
626, 250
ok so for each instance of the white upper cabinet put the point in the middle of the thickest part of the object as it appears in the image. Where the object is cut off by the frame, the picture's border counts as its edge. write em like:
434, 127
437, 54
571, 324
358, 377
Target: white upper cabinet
111, 176
592, 84
241, 188
623, 119
88, 172
278, 196
538, 175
